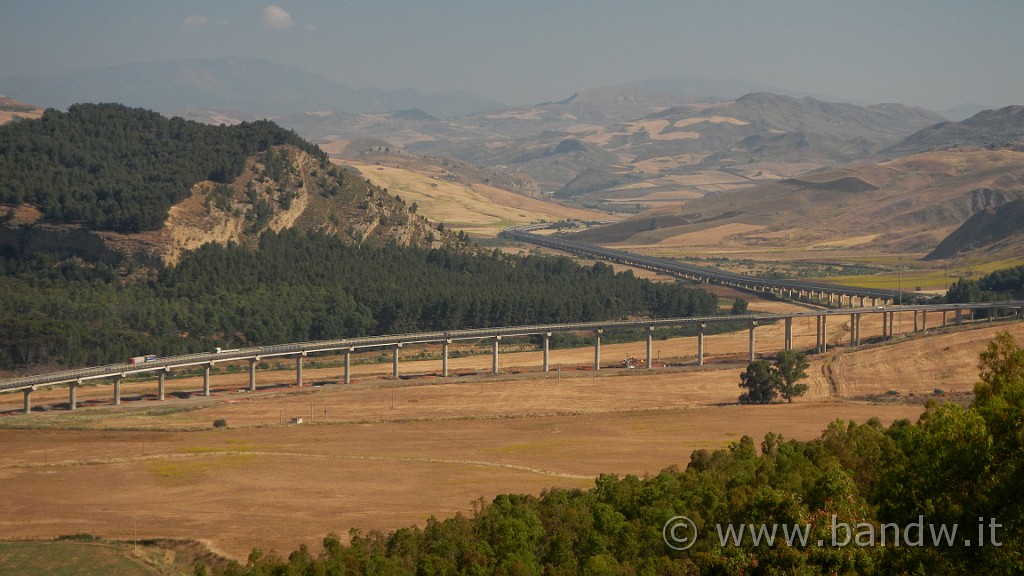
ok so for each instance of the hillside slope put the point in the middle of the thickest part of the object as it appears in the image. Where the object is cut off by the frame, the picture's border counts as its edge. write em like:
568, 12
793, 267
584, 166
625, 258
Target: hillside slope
106, 180
743, 136
1002, 128
905, 205
11, 109
994, 230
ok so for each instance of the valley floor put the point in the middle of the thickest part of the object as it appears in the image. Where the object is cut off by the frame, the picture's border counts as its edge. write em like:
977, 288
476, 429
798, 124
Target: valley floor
383, 453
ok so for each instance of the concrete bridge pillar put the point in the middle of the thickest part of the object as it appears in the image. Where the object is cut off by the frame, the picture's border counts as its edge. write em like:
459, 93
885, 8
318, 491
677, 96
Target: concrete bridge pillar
958, 317
117, 390
650, 347
348, 365
854, 329
494, 358
206, 378
753, 324
788, 340
28, 400
161, 387
700, 344
547, 351
822, 333
597, 349
915, 320
298, 369
831, 298
924, 320
73, 395
817, 333
444, 357
874, 302
394, 360
252, 373
862, 298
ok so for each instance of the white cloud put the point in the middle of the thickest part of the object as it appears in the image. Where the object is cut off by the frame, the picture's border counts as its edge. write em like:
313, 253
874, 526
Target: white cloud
195, 21
276, 17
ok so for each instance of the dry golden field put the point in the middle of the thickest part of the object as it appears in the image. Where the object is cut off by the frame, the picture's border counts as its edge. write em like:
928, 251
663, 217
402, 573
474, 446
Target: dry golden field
382, 453
479, 209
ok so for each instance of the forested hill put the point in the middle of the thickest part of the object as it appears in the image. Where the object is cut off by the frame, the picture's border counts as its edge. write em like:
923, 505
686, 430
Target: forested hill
116, 168
298, 287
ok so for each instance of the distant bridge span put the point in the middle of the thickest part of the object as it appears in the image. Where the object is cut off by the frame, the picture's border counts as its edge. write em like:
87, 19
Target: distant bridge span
794, 289
163, 365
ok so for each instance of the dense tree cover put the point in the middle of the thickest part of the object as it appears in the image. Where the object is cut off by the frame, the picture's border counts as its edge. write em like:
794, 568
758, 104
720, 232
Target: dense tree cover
1004, 284
299, 287
792, 367
764, 381
118, 168
739, 306
955, 469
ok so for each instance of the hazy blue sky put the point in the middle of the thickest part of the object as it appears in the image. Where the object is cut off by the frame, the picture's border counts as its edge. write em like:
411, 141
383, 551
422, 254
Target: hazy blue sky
932, 53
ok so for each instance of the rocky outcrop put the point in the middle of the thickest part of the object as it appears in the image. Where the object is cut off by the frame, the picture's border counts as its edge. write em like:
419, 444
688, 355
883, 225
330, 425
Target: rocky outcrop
279, 189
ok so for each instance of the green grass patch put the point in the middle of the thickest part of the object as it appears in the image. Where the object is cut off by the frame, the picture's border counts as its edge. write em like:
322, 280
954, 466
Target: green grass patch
912, 279
70, 557
937, 278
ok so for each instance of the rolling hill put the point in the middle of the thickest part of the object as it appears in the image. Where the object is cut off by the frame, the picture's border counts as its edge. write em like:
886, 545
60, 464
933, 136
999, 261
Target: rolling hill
110, 180
907, 205
1001, 128
602, 144
11, 109
994, 230
758, 136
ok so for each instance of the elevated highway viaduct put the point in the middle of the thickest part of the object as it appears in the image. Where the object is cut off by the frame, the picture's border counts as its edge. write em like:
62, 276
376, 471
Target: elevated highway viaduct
830, 294
161, 366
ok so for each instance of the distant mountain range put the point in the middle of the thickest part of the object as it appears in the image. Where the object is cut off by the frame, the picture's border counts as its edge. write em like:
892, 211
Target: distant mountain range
952, 188
579, 147
624, 148
254, 86
239, 84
